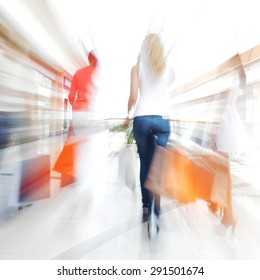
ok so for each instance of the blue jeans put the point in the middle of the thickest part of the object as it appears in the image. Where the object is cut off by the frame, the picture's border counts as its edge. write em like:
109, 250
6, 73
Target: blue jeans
149, 131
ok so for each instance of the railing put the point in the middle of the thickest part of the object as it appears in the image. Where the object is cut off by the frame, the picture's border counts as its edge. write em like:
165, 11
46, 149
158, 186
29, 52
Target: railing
200, 103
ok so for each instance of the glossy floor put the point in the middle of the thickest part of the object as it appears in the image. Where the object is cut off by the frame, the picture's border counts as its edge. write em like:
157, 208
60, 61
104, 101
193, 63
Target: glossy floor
100, 218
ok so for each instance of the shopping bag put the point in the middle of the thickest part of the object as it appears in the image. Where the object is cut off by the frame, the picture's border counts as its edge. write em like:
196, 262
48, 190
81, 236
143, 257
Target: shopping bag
171, 175
128, 167
231, 134
66, 159
35, 179
203, 174
211, 173
183, 189
221, 183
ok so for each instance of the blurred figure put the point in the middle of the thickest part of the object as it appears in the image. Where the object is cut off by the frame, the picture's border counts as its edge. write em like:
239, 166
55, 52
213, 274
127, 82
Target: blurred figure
75, 155
231, 137
151, 127
89, 143
81, 94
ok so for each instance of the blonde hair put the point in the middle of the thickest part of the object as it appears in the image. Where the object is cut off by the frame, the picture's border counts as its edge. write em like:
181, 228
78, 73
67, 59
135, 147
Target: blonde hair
155, 53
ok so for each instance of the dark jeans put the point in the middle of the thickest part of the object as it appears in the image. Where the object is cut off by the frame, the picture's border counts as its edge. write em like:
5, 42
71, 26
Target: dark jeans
149, 131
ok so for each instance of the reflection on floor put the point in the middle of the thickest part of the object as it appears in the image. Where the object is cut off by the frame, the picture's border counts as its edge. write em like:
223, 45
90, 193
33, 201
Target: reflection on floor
101, 219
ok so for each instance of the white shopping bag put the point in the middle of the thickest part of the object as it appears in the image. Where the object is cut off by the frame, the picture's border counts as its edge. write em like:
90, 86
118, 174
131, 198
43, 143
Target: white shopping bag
128, 169
232, 135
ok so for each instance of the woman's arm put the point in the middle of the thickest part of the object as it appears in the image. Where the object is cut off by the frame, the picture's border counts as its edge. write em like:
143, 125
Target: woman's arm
134, 86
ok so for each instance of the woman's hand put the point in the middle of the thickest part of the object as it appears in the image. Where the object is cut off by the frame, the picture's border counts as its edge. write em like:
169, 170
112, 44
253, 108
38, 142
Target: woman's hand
126, 122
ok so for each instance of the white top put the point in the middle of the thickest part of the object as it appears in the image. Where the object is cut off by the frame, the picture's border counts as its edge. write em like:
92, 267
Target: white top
154, 92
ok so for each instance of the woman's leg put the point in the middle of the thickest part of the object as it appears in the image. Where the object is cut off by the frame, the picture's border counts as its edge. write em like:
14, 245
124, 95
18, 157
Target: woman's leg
149, 131
143, 138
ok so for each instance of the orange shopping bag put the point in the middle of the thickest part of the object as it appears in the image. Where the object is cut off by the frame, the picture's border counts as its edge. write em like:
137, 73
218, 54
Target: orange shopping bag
183, 188
66, 162
221, 185
171, 174
211, 178
204, 172
66, 159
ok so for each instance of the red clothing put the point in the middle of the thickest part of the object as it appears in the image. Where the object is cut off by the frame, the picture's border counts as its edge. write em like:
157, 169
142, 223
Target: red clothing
82, 86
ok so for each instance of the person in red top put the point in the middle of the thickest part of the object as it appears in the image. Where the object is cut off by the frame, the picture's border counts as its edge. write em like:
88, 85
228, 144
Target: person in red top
76, 151
82, 85
81, 95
